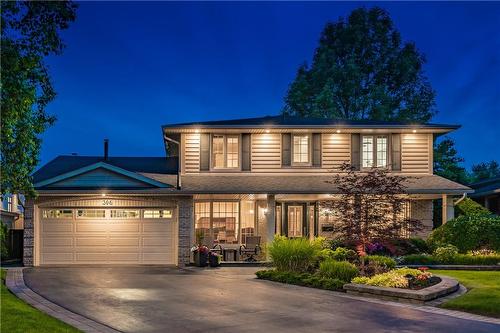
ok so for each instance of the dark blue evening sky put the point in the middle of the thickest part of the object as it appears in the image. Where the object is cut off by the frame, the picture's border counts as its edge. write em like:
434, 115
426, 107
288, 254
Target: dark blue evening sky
130, 67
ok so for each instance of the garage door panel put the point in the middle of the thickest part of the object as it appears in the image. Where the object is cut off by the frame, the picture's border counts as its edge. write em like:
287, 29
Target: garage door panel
91, 227
91, 256
58, 257
57, 227
124, 241
157, 257
57, 241
91, 241
125, 227
156, 249
156, 241
107, 241
157, 227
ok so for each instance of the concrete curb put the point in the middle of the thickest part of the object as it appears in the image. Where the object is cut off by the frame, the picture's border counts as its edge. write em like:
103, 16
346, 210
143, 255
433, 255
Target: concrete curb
445, 287
457, 267
15, 283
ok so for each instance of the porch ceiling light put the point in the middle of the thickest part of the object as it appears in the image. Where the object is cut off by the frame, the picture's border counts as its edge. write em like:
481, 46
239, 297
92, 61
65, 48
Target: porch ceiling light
197, 130
338, 131
414, 131
267, 131
103, 194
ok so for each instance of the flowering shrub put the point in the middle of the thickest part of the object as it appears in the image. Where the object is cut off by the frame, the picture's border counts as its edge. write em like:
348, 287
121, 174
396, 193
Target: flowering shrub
397, 278
445, 254
482, 252
200, 249
389, 279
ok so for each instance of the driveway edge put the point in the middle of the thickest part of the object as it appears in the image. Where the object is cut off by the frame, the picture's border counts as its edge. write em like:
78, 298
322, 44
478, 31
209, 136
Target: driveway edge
15, 283
428, 307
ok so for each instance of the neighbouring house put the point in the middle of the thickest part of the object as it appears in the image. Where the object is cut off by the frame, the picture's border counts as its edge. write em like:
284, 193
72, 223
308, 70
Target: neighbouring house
221, 182
11, 215
487, 193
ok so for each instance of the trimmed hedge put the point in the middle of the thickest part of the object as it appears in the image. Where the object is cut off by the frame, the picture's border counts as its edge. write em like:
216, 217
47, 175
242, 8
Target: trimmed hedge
468, 233
341, 270
469, 207
301, 279
457, 259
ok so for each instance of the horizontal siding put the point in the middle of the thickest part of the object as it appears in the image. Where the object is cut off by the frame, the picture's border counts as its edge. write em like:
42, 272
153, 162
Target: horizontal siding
99, 178
336, 149
415, 154
191, 157
266, 152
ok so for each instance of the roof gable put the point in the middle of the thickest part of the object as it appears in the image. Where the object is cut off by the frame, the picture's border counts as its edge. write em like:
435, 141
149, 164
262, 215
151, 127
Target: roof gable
100, 175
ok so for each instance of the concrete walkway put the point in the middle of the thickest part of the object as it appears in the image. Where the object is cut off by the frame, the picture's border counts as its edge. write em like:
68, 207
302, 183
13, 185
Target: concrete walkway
159, 299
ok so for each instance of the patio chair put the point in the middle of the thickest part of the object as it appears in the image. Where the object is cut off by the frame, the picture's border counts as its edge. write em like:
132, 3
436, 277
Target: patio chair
251, 248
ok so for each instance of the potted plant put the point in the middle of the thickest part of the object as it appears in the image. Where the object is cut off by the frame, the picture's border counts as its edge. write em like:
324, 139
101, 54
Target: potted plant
214, 259
200, 255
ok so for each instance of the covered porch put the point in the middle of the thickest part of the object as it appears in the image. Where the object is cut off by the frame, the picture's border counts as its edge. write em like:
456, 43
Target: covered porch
231, 223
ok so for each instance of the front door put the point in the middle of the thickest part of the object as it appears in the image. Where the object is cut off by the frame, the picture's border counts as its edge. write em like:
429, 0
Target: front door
295, 221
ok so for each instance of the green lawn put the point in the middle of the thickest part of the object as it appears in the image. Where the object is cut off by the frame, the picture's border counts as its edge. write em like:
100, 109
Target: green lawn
483, 295
18, 316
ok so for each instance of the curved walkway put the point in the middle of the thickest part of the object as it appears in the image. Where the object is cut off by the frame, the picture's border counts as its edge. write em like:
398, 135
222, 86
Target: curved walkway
156, 299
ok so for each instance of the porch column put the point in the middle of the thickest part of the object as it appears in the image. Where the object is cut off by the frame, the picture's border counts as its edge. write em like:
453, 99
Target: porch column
447, 210
271, 217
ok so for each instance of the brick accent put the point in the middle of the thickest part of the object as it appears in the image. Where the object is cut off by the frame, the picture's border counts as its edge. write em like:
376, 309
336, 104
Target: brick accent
422, 210
186, 227
29, 234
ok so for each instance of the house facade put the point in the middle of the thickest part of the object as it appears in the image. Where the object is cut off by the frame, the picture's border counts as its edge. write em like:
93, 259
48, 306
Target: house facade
221, 182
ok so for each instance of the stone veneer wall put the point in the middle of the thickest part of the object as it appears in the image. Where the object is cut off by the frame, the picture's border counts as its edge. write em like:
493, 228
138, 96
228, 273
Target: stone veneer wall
422, 210
186, 227
29, 235
185, 223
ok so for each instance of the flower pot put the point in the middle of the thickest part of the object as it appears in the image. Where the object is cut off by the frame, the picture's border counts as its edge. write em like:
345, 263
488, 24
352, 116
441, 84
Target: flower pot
214, 260
201, 259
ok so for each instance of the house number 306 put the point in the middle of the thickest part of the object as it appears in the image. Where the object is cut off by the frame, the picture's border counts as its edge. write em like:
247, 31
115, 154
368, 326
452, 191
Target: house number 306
107, 203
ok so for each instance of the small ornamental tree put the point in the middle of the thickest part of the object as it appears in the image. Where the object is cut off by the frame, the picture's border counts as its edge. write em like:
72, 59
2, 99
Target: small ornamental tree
370, 206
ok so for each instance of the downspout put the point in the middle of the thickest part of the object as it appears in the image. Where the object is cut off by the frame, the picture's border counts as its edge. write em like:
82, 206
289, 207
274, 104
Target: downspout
178, 159
459, 200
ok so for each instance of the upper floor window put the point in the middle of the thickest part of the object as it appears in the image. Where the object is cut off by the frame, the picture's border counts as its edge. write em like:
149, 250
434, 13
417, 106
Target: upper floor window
374, 151
225, 151
301, 151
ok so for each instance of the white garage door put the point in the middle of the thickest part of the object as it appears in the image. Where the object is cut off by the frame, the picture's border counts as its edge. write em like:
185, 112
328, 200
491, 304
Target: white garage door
107, 236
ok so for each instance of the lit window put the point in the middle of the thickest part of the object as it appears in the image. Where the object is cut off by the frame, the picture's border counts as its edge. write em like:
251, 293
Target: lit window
295, 219
125, 214
57, 213
381, 151
216, 222
367, 151
158, 214
301, 149
225, 151
91, 213
374, 151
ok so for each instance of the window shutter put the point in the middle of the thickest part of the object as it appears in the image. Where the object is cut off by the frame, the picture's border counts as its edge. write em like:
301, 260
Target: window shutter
204, 152
355, 145
286, 148
316, 149
396, 152
245, 152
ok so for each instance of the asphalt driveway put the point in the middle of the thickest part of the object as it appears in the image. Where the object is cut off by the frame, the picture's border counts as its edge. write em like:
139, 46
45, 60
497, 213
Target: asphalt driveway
162, 299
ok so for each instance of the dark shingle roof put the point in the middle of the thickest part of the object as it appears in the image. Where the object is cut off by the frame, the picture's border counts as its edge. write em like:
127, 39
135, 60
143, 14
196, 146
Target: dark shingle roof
289, 121
486, 187
297, 184
63, 164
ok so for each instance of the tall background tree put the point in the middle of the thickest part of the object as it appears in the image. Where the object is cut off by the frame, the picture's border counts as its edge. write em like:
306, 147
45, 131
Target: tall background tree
483, 171
363, 70
30, 32
447, 162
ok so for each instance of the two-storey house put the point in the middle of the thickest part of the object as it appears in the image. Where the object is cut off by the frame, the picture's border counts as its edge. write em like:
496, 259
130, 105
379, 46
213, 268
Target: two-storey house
221, 182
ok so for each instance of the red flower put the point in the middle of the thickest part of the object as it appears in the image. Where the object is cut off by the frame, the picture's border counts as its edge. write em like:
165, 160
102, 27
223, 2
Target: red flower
423, 269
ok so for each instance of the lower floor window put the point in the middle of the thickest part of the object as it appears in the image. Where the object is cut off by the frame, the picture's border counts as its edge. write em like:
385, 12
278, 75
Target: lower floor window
217, 222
